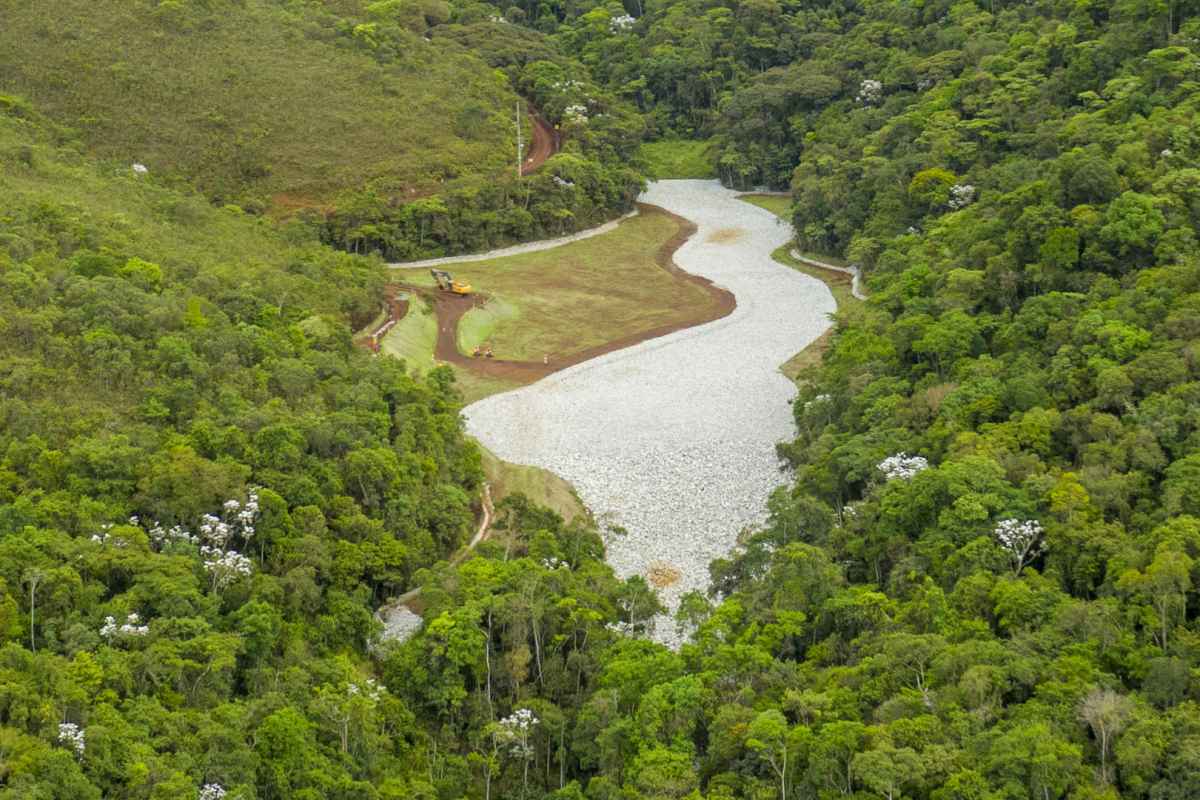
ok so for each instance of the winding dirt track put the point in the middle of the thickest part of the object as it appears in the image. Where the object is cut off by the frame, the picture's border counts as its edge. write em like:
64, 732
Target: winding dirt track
450, 309
545, 143
396, 309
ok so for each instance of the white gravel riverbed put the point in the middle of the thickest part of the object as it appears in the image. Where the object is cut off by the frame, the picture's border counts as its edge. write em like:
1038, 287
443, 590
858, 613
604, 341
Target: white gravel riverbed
674, 439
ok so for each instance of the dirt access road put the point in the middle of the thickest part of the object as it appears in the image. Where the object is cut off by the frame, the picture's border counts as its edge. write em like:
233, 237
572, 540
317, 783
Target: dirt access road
396, 308
545, 143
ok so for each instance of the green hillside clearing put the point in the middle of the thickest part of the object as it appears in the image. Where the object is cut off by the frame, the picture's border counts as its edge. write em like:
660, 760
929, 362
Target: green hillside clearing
562, 301
679, 158
256, 102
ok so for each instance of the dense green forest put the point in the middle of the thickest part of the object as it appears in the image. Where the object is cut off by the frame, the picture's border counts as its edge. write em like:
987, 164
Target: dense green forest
980, 585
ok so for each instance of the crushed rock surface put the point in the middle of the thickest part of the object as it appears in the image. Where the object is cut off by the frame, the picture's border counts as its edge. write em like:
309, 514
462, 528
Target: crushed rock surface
674, 439
399, 623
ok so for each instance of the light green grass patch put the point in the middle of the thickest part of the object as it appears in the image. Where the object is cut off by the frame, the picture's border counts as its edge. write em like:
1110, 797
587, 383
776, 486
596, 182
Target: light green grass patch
679, 158
476, 387
477, 325
414, 337
778, 205
584, 294
541, 486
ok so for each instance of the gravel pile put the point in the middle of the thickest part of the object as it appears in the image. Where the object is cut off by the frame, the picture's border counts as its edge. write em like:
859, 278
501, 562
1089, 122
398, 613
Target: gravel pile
399, 623
674, 439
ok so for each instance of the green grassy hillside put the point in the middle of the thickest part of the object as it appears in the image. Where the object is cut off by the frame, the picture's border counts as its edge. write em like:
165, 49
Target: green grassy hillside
142, 325
259, 102
161, 359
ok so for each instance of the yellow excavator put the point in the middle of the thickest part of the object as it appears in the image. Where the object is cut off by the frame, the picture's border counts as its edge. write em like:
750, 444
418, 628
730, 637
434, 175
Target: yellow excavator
446, 282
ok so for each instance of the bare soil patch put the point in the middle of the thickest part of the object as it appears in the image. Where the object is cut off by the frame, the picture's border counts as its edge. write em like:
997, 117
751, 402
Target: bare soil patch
725, 236
660, 574
545, 144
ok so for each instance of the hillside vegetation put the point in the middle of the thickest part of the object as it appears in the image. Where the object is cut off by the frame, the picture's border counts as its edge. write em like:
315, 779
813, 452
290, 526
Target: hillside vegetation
980, 583
260, 103
162, 360
592, 179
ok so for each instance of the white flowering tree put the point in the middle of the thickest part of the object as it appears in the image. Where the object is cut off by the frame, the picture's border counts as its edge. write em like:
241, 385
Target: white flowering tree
961, 196
223, 564
72, 737
514, 735
211, 791
621, 23
870, 92
162, 538
902, 466
576, 113
131, 628
224, 567
1021, 539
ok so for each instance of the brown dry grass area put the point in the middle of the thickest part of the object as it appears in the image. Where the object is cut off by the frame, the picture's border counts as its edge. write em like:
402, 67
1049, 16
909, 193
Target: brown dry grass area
726, 236
661, 575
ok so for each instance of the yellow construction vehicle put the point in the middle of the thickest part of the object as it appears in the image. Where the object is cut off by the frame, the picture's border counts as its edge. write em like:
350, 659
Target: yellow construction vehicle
446, 282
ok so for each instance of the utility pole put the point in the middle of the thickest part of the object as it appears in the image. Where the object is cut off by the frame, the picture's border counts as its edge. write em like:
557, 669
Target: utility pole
520, 148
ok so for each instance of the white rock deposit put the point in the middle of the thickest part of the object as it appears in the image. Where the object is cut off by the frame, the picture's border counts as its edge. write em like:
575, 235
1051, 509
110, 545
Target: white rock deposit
674, 439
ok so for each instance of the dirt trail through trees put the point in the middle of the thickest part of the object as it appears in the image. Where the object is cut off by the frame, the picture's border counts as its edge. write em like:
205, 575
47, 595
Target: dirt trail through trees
545, 143
394, 612
395, 307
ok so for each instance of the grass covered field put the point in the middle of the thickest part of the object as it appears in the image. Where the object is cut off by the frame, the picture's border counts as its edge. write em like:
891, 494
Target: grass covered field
539, 485
412, 338
479, 327
572, 298
258, 103
679, 158
779, 205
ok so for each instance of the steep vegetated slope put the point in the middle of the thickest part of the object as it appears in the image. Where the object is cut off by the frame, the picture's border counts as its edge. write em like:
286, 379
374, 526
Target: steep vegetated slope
390, 125
591, 180
981, 586
262, 103
162, 360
